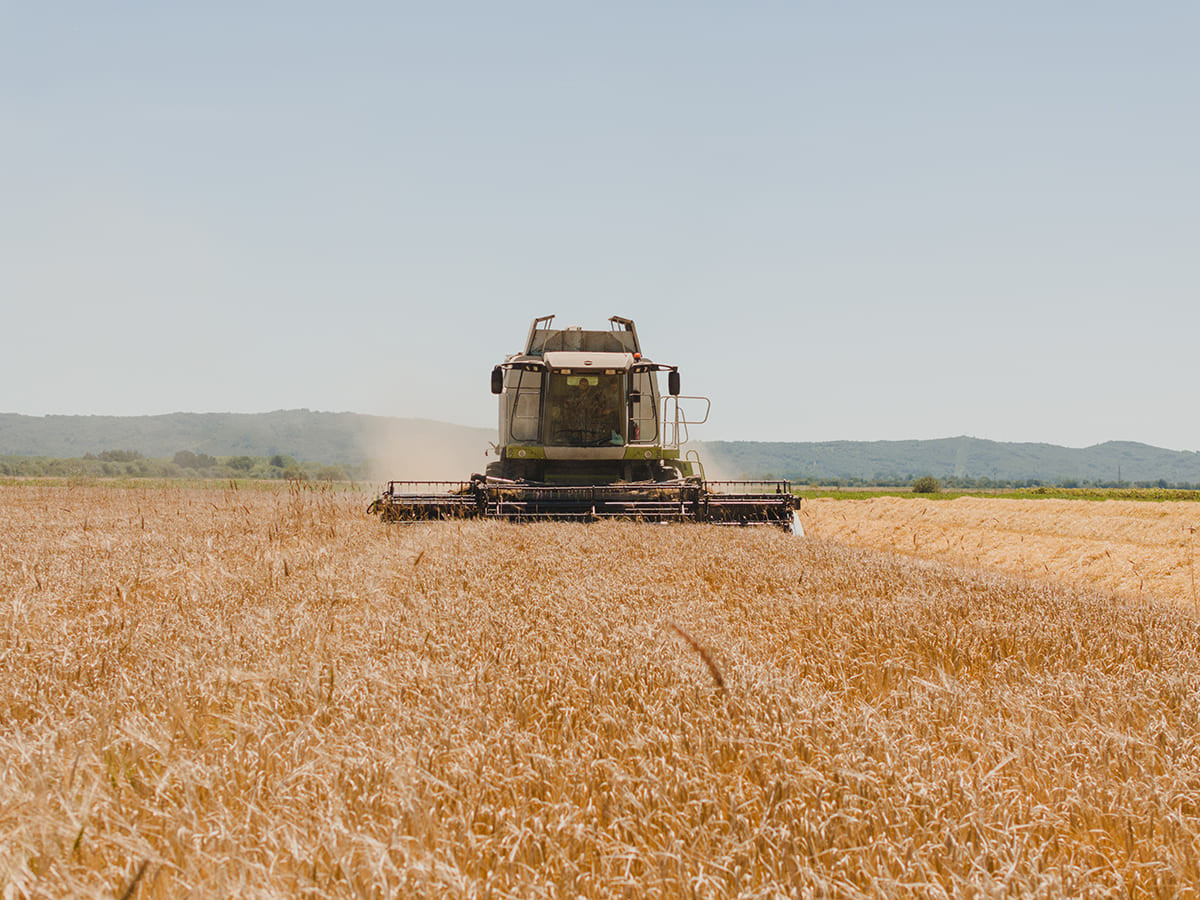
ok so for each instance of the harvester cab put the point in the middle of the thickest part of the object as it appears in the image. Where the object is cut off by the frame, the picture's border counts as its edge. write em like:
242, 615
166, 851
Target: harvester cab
583, 407
584, 433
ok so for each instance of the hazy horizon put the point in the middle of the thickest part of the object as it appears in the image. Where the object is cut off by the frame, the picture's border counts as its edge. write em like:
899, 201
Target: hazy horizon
867, 223
695, 440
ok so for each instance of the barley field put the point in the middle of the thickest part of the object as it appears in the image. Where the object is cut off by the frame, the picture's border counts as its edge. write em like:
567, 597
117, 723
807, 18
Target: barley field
269, 694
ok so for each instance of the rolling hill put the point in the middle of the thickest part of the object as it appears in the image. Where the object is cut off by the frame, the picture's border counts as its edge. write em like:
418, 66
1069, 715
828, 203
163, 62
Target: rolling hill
957, 457
421, 448
398, 448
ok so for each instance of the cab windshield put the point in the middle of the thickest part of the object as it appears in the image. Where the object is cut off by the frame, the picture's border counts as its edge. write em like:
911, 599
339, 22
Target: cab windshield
584, 410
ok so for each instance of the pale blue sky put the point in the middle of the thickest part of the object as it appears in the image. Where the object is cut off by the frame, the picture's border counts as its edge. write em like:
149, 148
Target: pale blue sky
843, 221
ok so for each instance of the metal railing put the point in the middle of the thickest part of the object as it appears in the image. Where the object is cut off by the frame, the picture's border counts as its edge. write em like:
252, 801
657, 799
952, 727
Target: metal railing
676, 421
749, 487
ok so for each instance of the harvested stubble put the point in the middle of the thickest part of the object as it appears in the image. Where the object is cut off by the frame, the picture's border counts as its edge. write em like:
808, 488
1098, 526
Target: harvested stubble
1137, 548
260, 694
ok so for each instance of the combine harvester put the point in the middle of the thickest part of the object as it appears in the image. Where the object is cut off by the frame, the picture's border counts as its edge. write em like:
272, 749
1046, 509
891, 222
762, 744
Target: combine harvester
585, 434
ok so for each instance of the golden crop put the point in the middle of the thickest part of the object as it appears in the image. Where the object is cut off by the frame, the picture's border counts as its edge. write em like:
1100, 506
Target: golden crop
1131, 547
248, 693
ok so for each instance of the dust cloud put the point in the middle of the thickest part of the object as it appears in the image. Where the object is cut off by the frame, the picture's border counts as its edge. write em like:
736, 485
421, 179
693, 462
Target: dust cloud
424, 450
717, 467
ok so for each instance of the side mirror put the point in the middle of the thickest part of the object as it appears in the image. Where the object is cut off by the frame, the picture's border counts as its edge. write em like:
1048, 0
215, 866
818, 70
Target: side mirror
673, 382
497, 380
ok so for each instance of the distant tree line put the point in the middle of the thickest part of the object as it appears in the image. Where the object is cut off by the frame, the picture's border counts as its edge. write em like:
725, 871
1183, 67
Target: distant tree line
194, 464
184, 464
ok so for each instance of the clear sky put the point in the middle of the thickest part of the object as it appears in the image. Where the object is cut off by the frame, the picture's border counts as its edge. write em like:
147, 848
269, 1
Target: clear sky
861, 221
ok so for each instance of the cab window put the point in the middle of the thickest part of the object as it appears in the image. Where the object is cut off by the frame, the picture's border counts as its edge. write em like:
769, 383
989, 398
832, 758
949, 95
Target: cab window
584, 410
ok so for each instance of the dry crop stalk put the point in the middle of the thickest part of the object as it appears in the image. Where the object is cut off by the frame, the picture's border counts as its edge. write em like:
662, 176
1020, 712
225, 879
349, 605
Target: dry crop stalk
704, 655
1192, 559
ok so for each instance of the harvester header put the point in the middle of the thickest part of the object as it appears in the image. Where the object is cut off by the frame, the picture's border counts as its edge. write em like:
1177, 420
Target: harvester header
584, 433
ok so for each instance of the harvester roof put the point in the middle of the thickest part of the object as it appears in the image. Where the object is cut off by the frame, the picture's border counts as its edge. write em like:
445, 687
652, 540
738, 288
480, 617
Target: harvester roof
564, 359
544, 338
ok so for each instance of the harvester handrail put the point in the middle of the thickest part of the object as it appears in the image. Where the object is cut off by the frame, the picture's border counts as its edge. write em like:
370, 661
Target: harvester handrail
676, 417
